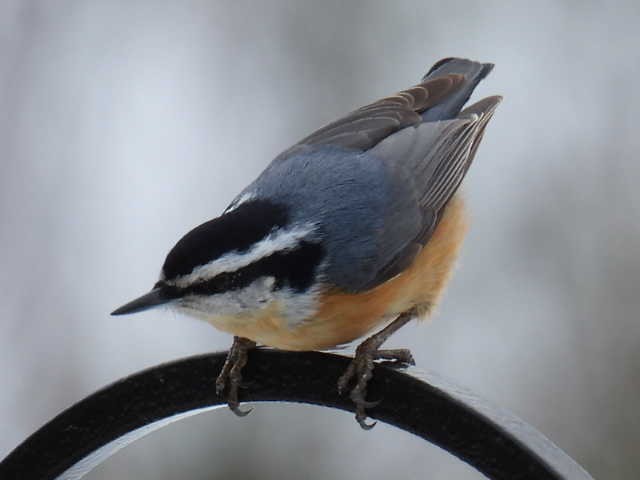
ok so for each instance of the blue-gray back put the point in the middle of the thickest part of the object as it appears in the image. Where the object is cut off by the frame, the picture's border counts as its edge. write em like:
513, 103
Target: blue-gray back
376, 181
364, 212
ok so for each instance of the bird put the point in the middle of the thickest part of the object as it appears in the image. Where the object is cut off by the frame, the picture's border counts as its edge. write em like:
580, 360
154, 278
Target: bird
353, 229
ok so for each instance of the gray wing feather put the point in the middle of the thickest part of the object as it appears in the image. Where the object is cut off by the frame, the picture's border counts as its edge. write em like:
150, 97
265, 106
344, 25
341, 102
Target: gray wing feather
365, 127
438, 155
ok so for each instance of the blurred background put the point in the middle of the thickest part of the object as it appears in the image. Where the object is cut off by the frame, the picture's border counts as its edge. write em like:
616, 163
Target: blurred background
124, 124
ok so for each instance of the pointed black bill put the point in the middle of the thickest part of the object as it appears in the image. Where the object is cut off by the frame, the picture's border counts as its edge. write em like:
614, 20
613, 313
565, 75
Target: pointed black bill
157, 296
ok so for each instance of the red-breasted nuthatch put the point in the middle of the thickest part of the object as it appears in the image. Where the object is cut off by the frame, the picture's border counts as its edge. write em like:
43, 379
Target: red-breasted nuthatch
355, 226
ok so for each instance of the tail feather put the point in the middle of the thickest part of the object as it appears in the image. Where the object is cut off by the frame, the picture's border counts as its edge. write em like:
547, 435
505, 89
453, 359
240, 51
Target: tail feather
472, 71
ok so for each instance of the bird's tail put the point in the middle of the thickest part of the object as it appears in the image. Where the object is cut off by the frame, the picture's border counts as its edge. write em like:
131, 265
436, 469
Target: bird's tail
472, 71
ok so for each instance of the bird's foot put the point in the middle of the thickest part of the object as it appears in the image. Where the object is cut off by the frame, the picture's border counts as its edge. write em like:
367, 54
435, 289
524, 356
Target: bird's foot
398, 359
230, 376
361, 370
361, 367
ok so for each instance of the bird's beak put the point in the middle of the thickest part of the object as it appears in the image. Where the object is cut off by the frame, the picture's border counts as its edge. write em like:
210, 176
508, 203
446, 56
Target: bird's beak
156, 297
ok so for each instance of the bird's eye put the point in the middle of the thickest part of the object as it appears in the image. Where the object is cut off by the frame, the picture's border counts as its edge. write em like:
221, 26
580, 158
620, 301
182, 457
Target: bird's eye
236, 279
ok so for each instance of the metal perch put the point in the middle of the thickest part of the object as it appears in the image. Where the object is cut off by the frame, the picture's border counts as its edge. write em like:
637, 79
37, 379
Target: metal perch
492, 441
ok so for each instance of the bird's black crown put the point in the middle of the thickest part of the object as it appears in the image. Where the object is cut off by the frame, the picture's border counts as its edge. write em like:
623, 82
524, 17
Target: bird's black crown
234, 231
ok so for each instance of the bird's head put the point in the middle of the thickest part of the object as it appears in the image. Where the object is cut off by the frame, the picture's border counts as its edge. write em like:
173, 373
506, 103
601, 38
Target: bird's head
250, 256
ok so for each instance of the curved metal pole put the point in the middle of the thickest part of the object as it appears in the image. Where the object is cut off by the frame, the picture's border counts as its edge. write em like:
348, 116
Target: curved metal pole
493, 442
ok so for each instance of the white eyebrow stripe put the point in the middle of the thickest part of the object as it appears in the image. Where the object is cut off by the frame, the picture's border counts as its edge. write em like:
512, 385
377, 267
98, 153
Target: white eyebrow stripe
278, 241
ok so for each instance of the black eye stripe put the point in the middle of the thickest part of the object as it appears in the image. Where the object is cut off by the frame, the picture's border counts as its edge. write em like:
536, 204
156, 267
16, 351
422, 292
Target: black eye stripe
294, 268
236, 230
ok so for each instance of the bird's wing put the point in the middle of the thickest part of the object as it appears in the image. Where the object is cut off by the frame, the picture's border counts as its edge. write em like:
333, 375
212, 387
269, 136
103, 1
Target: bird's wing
432, 158
365, 127
425, 142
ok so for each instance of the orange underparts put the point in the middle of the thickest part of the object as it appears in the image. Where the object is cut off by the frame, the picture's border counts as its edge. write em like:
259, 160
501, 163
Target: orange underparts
344, 317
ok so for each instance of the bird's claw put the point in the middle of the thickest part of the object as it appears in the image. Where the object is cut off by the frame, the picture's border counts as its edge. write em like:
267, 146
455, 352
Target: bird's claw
238, 411
361, 369
231, 374
361, 418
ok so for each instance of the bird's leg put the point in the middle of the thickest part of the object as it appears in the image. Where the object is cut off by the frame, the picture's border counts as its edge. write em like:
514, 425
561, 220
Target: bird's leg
232, 373
361, 367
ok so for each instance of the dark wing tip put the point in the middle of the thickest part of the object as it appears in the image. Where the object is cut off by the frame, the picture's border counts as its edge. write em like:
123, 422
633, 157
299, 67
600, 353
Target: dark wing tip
472, 73
486, 69
462, 64
438, 64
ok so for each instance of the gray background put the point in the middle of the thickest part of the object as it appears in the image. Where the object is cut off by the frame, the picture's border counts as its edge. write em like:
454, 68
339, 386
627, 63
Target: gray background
124, 124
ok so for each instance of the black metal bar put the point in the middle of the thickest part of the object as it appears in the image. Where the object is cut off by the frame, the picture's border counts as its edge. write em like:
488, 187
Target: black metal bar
493, 442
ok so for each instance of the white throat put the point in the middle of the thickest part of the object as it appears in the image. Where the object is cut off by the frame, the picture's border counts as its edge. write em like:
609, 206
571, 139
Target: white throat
248, 302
